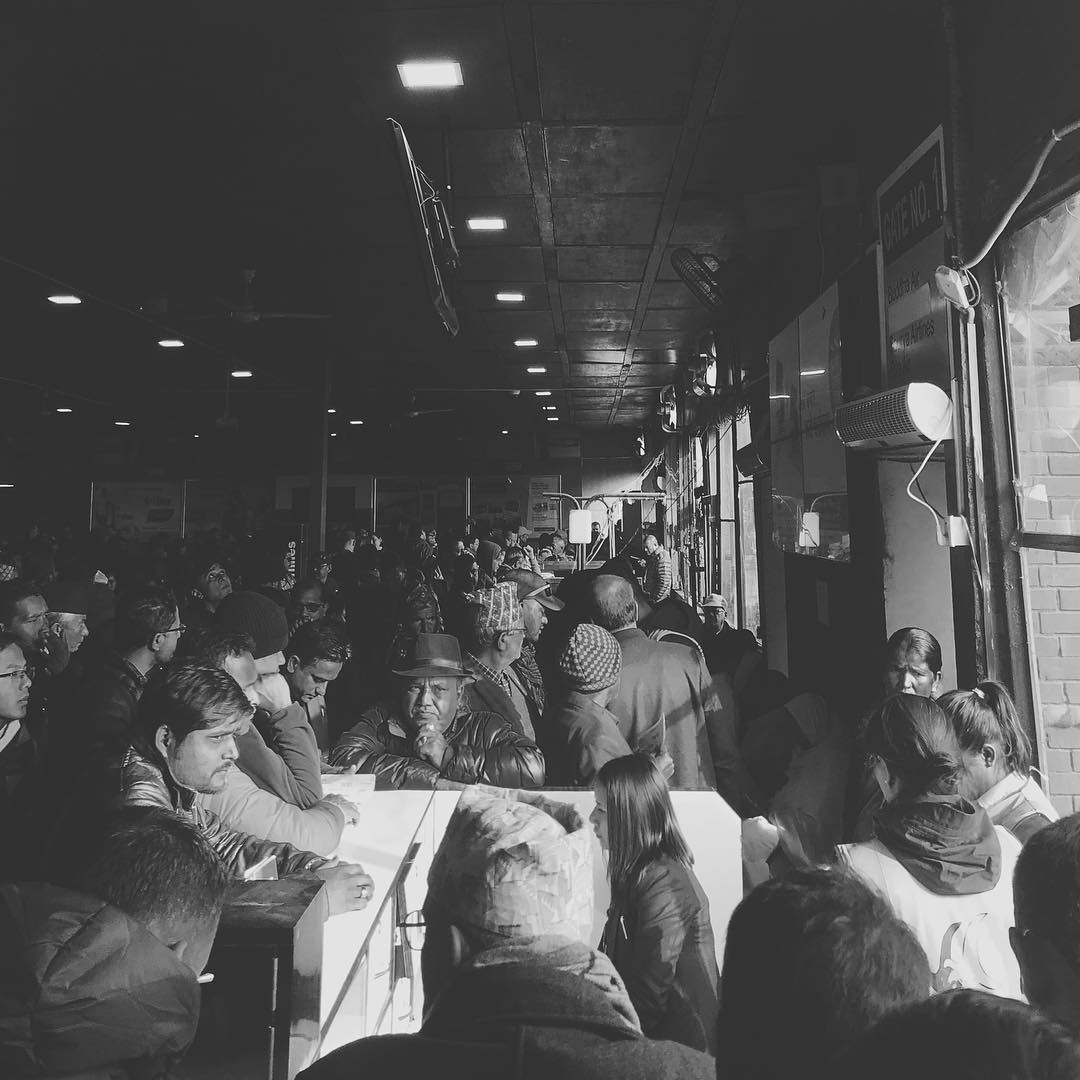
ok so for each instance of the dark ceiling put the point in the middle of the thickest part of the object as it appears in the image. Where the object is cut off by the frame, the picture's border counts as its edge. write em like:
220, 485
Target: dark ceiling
153, 152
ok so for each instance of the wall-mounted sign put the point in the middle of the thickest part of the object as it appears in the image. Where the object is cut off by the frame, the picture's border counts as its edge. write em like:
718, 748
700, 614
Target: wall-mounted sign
137, 510
911, 206
542, 513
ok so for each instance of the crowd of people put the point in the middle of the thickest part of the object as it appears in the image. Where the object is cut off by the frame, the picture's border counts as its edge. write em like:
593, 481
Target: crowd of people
167, 717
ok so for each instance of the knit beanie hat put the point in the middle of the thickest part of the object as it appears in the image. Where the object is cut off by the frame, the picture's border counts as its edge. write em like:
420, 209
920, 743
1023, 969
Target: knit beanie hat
591, 659
258, 616
515, 864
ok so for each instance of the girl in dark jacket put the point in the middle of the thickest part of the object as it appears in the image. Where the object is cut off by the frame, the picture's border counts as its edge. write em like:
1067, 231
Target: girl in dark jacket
658, 933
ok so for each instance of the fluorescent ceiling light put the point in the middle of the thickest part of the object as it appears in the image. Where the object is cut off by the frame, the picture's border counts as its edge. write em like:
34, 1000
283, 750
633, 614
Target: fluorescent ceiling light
813, 371
64, 298
779, 397
551, 419
7, 485
333, 434
356, 422
122, 423
63, 409
331, 410
486, 224
430, 74
504, 432
543, 393
551, 408
171, 343
194, 436
241, 373
526, 342
510, 297
537, 370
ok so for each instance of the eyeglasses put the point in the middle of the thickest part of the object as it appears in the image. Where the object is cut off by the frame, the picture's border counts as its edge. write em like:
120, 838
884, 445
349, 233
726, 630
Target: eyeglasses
414, 930
217, 575
16, 674
175, 629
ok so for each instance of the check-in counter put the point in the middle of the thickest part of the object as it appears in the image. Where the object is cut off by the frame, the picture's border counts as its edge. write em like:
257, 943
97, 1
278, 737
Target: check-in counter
369, 982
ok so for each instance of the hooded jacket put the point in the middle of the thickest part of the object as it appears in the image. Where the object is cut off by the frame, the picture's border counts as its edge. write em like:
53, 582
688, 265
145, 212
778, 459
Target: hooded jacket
87, 992
1018, 804
947, 871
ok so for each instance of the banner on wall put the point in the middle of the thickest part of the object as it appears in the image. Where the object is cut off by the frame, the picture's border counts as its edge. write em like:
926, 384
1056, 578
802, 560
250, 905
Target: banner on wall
542, 514
135, 510
911, 206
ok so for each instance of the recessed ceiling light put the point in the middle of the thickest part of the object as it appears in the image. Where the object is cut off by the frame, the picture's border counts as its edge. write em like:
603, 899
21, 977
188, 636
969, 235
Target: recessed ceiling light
356, 422
333, 434
64, 298
537, 370
430, 74
813, 371
504, 432
510, 297
526, 342
551, 419
779, 397
241, 373
551, 408
7, 485
63, 409
543, 393
194, 436
486, 224
331, 410
122, 423
171, 343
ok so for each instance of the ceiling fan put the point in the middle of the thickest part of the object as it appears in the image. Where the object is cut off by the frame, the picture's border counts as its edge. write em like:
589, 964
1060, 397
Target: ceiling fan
246, 313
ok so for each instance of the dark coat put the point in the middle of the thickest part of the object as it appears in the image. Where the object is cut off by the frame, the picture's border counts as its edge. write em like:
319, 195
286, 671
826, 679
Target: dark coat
22, 792
101, 719
660, 939
513, 1022
578, 737
87, 992
484, 749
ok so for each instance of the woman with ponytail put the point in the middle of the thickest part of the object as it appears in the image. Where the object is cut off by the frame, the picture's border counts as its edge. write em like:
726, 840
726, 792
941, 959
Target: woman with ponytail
996, 756
937, 857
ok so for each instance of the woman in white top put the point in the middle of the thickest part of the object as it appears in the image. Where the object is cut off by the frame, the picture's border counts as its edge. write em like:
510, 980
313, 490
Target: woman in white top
996, 756
937, 857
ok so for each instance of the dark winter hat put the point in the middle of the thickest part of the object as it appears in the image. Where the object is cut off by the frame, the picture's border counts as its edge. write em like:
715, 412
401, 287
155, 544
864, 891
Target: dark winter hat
257, 615
66, 596
591, 660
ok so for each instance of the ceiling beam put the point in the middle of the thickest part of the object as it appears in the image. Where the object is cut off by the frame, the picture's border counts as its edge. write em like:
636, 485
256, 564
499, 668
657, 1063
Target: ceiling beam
521, 50
714, 52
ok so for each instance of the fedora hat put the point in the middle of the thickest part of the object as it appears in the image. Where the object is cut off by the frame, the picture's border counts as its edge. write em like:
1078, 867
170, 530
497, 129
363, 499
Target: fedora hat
429, 656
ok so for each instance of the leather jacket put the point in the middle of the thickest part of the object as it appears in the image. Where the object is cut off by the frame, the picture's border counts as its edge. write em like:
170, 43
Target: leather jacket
483, 749
143, 783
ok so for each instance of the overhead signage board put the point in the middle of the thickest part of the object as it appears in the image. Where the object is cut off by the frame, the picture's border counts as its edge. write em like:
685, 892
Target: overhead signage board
911, 207
136, 510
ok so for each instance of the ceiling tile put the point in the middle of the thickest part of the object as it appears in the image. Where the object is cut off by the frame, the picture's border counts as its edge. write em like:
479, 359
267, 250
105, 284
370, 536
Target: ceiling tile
672, 294
656, 356
692, 319
499, 264
608, 295
620, 160
505, 326
663, 339
489, 163
597, 356
605, 370
598, 320
649, 375
605, 219
601, 263
595, 340
705, 223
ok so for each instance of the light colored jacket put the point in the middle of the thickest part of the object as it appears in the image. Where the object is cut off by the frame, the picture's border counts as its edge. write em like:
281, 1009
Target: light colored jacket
1018, 803
246, 807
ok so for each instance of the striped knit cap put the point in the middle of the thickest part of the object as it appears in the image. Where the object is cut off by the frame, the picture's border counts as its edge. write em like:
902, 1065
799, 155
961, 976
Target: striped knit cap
591, 659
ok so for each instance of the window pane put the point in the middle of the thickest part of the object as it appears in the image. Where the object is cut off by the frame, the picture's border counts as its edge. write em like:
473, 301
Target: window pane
751, 618
726, 566
1041, 280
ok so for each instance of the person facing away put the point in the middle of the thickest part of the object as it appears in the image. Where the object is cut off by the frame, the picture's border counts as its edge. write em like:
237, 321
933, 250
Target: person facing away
98, 967
658, 932
996, 755
911, 664
939, 859
511, 989
1046, 938
811, 961
964, 1033
424, 736
577, 734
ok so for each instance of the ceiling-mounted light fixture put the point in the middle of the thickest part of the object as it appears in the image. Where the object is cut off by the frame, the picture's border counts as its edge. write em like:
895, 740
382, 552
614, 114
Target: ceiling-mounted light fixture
356, 423
526, 342
241, 373
510, 297
430, 74
171, 343
486, 224
536, 370
62, 299
122, 423
551, 419
63, 409
812, 371
504, 432
551, 408
7, 485
331, 411
542, 393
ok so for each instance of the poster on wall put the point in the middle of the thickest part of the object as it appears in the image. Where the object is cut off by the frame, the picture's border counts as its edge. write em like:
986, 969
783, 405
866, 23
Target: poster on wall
911, 206
138, 510
235, 506
542, 513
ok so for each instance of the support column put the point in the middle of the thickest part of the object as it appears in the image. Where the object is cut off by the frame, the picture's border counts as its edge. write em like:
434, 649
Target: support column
320, 437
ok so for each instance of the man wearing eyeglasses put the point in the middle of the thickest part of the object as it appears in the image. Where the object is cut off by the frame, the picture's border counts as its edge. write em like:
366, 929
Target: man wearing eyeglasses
18, 754
102, 717
494, 635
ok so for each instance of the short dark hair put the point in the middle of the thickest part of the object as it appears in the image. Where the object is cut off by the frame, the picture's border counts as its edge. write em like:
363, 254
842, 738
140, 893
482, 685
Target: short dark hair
315, 641
824, 953
308, 583
213, 646
14, 592
915, 739
919, 641
7, 639
1046, 887
141, 614
186, 696
987, 715
964, 1033
148, 862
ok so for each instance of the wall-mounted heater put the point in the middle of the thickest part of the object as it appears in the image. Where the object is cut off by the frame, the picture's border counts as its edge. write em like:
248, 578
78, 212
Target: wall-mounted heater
916, 414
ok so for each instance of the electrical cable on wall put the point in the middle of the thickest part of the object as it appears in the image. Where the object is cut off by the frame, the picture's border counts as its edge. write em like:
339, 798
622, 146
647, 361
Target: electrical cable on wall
938, 531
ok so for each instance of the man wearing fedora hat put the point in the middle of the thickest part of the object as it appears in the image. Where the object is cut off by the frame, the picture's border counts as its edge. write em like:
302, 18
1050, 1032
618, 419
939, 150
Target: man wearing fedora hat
423, 737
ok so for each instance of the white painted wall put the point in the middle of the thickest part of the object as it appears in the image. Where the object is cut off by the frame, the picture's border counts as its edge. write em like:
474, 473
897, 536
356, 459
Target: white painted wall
918, 586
